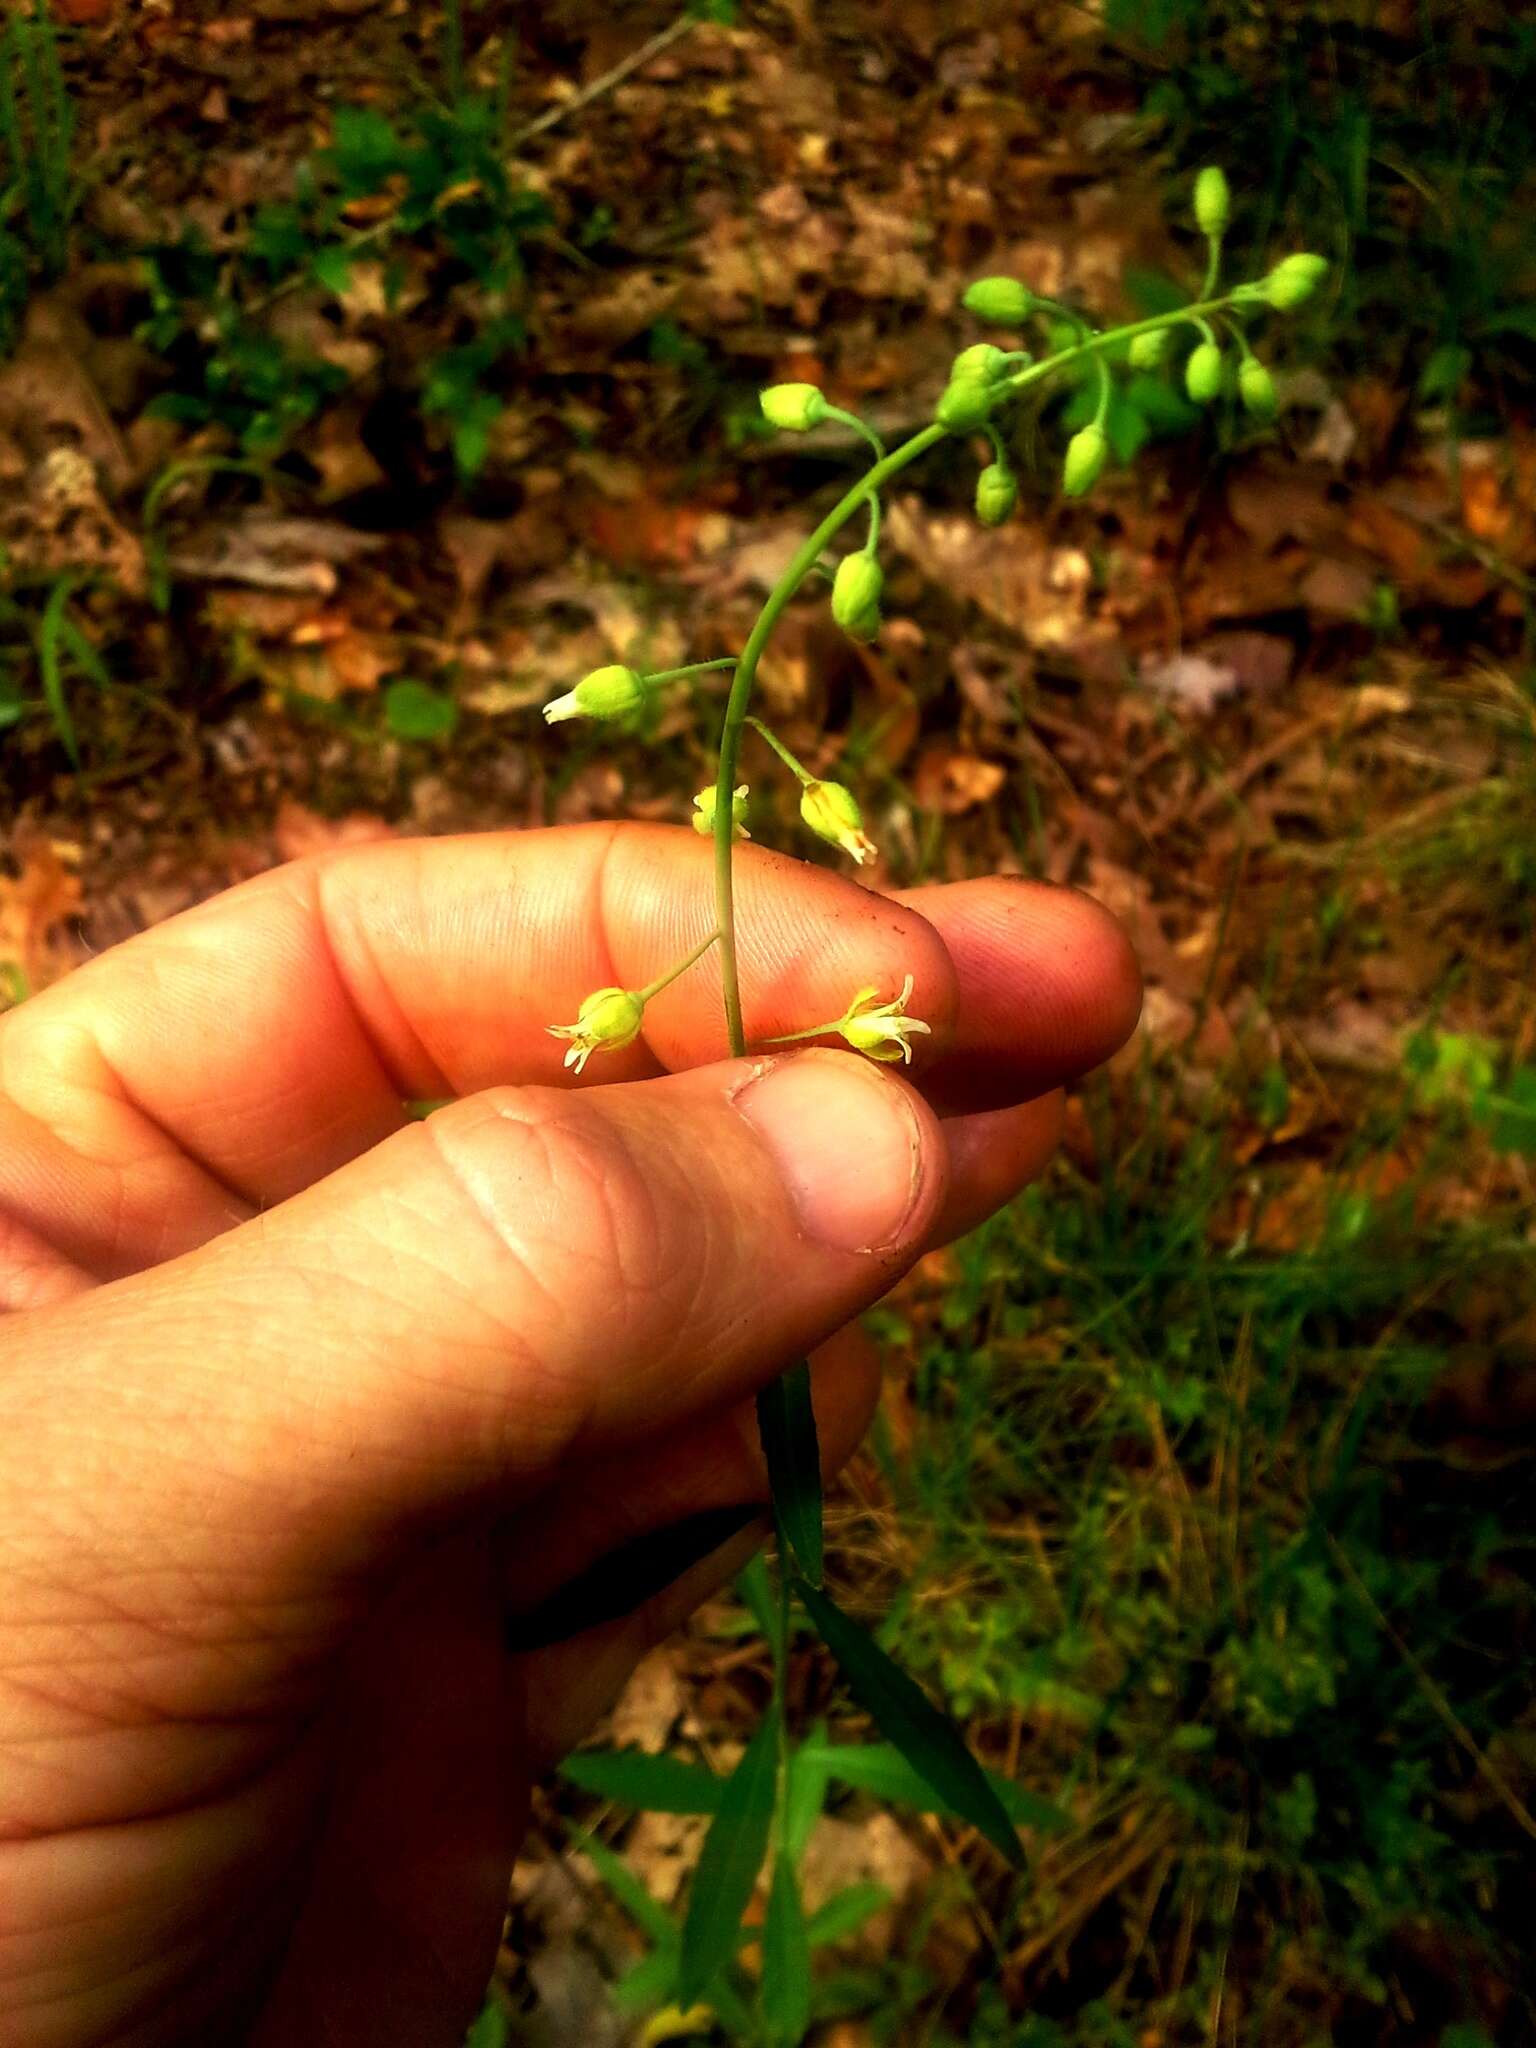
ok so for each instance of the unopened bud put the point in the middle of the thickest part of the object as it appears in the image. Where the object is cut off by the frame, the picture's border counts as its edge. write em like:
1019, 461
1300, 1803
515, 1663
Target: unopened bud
832, 812
1000, 301
611, 692
795, 407
1256, 388
1147, 350
856, 592
966, 403
981, 360
705, 805
1202, 374
1087, 453
1293, 281
997, 492
1213, 202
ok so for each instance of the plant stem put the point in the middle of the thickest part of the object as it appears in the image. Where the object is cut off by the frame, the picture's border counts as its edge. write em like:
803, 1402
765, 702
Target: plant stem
778, 746
654, 988
804, 561
692, 668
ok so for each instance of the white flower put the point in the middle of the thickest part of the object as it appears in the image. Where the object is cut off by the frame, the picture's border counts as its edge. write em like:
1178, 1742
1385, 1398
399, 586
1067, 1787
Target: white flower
608, 1020
704, 812
882, 1031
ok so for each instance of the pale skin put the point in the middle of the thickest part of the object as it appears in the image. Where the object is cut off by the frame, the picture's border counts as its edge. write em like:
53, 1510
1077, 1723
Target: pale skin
301, 1400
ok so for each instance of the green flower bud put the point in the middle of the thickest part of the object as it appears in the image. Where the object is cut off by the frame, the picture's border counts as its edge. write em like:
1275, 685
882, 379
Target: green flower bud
965, 405
608, 1020
1147, 350
832, 812
1213, 202
1293, 282
981, 360
1087, 453
705, 805
795, 407
611, 692
997, 492
856, 592
1000, 301
1256, 388
1202, 373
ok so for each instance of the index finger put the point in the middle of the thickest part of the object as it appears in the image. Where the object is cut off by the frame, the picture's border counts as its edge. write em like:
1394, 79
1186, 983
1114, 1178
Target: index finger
236, 1053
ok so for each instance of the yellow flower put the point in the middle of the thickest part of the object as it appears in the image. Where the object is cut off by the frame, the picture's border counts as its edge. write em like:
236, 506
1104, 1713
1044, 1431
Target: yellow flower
882, 1031
832, 812
704, 812
608, 1020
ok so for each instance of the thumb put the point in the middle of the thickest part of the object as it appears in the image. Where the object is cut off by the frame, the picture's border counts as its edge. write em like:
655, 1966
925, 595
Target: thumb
438, 1324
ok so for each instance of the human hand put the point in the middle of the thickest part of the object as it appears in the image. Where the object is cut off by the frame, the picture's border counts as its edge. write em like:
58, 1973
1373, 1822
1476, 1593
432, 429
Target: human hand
302, 1402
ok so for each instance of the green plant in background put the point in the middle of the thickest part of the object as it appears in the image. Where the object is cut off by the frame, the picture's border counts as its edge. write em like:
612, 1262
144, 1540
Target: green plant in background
1389, 153
987, 383
37, 126
439, 179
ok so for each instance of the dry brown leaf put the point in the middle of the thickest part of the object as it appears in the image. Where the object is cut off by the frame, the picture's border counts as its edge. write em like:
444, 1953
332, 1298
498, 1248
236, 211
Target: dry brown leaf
1012, 574
298, 831
43, 896
952, 782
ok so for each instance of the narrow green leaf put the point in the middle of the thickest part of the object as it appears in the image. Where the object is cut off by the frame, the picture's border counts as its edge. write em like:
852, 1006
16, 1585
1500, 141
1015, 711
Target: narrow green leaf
786, 1992
880, 1768
648, 1914
786, 1422
845, 1913
728, 1865
663, 1784
759, 1596
50, 663
905, 1715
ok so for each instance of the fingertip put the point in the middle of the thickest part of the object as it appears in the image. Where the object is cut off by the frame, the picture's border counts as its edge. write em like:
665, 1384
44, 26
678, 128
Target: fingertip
1048, 987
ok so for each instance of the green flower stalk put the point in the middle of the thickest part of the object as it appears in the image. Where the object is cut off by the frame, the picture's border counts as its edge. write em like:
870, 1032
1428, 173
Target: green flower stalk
985, 386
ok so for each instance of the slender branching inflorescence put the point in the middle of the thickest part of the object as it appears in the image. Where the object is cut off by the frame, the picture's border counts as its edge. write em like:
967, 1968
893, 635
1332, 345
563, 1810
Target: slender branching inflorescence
987, 382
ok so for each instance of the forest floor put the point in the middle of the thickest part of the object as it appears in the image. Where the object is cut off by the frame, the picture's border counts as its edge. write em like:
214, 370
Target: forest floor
383, 379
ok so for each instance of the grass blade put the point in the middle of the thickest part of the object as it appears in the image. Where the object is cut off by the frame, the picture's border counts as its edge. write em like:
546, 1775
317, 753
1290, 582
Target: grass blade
786, 1422
786, 1994
729, 1863
51, 666
634, 1777
880, 1768
905, 1715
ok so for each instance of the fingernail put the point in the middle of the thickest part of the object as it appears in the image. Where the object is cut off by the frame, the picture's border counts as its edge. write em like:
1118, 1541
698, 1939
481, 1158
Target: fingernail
623, 1580
847, 1144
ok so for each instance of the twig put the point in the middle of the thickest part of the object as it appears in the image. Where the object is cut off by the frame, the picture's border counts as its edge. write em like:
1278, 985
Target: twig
662, 40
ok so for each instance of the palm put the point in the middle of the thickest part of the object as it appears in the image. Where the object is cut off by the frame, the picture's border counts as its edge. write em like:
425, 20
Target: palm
305, 1408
